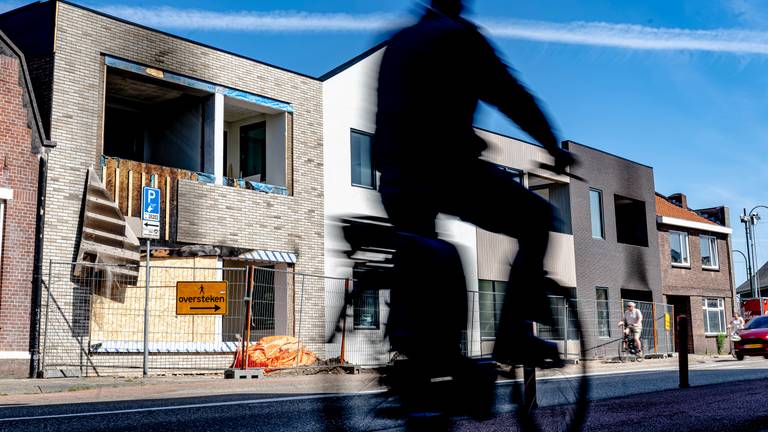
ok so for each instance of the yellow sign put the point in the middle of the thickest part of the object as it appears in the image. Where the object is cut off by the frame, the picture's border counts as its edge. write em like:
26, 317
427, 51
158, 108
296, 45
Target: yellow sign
201, 298
666, 321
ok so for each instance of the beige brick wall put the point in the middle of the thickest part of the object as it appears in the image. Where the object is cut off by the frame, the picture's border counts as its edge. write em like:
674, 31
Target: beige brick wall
82, 38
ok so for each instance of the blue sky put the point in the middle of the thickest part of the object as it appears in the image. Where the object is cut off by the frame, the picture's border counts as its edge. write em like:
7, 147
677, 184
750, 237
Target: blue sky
678, 85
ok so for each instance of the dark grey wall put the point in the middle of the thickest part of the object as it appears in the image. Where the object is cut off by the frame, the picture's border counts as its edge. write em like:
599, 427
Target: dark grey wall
607, 263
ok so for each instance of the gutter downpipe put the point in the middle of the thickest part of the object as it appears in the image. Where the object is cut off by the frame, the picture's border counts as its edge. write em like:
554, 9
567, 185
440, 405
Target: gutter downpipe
37, 269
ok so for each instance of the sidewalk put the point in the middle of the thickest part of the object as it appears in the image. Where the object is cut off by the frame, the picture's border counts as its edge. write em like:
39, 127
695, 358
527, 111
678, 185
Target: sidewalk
73, 390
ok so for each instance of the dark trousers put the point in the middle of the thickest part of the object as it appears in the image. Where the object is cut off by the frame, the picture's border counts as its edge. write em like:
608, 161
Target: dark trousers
491, 198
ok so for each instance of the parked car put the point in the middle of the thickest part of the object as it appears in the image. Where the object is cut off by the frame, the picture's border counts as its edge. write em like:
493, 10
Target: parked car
754, 339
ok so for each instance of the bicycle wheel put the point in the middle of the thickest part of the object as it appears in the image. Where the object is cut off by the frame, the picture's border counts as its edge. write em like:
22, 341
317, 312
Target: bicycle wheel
561, 393
622, 351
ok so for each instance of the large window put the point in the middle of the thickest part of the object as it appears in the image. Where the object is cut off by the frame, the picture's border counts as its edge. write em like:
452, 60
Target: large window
631, 226
596, 213
363, 174
603, 318
714, 315
678, 247
491, 299
709, 252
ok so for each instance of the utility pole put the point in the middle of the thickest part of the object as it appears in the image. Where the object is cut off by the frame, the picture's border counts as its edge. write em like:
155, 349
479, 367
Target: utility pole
747, 230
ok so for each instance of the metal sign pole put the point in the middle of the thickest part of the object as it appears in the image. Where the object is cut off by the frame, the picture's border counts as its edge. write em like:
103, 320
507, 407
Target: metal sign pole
146, 313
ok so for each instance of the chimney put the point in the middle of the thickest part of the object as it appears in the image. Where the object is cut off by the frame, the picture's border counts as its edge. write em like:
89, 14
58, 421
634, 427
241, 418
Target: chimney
679, 199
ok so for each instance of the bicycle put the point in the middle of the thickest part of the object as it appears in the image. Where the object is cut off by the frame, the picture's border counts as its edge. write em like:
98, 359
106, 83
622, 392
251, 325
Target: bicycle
562, 406
627, 348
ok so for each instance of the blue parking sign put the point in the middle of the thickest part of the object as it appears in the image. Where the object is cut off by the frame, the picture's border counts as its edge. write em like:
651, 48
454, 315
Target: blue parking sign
150, 204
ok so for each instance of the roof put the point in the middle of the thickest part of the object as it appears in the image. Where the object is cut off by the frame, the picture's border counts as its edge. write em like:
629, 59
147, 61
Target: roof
96, 12
353, 61
762, 276
666, 208
39, 140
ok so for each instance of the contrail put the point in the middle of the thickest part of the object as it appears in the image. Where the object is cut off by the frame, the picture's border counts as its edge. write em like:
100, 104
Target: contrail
601, 34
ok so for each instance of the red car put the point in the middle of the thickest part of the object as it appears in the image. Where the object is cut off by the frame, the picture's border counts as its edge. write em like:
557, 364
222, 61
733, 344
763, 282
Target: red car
754, 339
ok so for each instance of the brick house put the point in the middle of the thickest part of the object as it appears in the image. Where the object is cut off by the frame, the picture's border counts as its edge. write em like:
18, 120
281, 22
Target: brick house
23, 149
696, 262
235, 146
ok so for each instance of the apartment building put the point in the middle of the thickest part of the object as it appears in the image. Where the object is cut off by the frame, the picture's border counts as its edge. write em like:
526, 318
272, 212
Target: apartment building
616, 246
696, 262
235, 146
23, 152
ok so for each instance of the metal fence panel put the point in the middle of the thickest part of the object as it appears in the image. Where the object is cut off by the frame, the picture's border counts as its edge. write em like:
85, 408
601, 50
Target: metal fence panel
93, 321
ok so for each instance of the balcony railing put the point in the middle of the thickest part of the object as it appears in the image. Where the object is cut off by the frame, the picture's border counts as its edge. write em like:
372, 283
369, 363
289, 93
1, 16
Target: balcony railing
124, 179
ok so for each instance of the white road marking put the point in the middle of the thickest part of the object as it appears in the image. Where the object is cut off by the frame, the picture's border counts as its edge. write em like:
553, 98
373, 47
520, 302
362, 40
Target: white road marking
669, 368
190, 406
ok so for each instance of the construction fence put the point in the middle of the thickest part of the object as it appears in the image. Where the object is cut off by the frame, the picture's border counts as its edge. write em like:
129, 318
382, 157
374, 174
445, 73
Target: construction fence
93, 319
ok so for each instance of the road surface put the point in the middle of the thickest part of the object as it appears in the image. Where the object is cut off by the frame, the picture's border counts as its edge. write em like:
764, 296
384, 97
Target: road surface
726, 396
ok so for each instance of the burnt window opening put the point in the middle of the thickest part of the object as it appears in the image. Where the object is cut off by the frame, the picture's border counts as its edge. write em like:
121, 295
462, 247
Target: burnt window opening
157, 122
631, 224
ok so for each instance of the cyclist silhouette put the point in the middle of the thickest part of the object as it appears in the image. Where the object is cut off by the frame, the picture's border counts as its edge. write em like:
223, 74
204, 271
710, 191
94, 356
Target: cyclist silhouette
431, 78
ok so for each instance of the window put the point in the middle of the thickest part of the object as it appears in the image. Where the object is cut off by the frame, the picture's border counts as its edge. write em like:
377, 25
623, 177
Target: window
491, 297
516, 174
253, 151
709, 252
367, 310
596, 213
363, 174
631, 226
714, 315
366, 303
601, 301
678, 246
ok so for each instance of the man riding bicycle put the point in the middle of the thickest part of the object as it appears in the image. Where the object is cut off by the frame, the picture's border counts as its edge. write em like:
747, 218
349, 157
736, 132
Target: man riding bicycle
633, 323
432, 76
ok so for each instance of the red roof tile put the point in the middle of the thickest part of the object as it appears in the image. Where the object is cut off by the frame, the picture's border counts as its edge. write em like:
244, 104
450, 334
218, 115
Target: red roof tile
666, 208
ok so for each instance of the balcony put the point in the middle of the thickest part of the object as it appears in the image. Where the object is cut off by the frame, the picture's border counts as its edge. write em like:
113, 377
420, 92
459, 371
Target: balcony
124, 179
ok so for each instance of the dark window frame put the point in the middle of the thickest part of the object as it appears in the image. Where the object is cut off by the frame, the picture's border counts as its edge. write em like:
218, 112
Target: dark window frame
601, 204
497, 293
603, 323
360, 304
374, 182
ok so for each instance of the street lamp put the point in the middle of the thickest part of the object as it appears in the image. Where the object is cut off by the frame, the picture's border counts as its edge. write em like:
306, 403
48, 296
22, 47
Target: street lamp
749, 219
754, 216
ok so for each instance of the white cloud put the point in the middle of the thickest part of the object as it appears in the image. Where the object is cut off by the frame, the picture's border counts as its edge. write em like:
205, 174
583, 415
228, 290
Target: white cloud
626, 36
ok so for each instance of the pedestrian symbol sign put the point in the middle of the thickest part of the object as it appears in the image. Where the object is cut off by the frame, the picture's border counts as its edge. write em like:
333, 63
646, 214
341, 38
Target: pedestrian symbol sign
201, 298
150, 212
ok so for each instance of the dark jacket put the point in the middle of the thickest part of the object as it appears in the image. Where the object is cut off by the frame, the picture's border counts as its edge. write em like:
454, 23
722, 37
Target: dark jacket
431, 78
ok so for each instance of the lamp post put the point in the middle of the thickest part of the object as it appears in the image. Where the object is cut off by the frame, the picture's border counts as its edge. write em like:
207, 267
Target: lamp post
756, 217
749, 219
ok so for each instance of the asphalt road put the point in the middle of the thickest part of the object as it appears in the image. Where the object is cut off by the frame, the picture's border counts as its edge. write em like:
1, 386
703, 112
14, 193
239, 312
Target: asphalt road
727, 396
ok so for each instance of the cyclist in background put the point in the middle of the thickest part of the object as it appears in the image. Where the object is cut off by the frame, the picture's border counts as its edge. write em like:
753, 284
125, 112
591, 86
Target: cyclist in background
633, 322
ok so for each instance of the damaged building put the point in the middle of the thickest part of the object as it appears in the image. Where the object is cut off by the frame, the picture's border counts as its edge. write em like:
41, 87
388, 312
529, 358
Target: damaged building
235, 147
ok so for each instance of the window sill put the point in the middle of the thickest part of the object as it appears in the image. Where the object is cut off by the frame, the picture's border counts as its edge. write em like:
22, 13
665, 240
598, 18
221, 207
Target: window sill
683, 266
710, 268
372, 188
366, 328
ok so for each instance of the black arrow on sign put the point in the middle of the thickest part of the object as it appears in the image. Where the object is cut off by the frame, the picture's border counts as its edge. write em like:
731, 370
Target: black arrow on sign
214, 307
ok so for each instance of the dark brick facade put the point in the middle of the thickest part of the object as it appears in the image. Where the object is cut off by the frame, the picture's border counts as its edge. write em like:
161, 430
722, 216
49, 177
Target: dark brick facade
19, 166
607, 263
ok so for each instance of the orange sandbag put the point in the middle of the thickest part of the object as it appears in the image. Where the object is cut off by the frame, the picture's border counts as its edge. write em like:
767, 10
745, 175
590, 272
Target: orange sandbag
275, 352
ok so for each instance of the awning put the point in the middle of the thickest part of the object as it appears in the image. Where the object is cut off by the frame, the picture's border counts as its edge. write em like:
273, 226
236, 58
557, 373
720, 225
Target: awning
270, 256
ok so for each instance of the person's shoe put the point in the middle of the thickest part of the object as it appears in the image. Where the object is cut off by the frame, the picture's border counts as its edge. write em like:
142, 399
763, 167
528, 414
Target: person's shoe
528, 351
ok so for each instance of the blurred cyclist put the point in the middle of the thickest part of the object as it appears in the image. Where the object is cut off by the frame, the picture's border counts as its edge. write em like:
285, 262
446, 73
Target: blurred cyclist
432, 76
